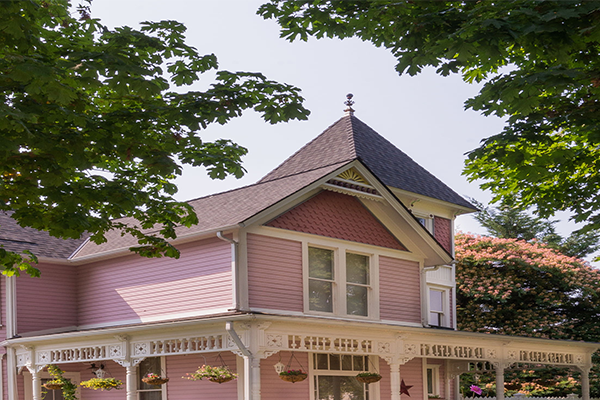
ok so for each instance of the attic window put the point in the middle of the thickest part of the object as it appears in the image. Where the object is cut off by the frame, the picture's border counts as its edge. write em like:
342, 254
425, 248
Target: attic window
427, 222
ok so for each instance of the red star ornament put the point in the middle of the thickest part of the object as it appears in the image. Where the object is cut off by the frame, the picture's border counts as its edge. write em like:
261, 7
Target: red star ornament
404, 388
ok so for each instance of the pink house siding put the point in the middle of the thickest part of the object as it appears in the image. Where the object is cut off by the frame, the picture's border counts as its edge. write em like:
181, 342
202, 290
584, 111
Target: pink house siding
399, 290
442, 228
273, 388
338, 216
183, 389
409, 372
133, 288
274, 273
47, 302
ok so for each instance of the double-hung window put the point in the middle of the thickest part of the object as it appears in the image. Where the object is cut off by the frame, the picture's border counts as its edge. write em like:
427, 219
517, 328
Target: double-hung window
151, 365
438, 307
433, 380
339, 282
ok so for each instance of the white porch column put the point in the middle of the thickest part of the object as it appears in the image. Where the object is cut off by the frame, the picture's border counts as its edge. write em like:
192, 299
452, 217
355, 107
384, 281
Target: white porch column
499, 367
11, 373
456, 388
131, 382
395, 380
36, 382
585, 382
255, 378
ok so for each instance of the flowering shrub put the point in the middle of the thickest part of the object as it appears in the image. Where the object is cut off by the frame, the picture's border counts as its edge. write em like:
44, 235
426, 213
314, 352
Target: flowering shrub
213, 374
514, 287
292, 372
102, 383
152, 375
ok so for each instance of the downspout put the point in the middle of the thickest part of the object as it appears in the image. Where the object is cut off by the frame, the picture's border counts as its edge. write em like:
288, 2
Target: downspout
234, 271
248, 358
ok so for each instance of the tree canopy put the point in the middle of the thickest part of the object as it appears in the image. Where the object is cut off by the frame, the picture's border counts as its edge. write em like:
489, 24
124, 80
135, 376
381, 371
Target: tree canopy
512, 223
513, 287
539, 64
96, 122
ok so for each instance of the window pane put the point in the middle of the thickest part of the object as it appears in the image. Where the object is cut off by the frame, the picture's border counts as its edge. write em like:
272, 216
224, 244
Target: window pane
322, 361
320, 296
339, 388
346, 363
357, 300
436, 302
436, 318
429, 381
359, 363
334, 362
357, 268
320, 263
152, 395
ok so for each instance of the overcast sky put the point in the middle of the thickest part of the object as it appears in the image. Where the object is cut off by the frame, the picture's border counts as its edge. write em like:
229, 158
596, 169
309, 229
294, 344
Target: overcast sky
423, 115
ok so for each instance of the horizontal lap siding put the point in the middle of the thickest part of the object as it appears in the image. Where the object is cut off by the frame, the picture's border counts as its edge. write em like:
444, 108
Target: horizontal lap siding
273, 388
400, 290
274, 273
412, 373
134, 287
184, 389
385, 389
47, 302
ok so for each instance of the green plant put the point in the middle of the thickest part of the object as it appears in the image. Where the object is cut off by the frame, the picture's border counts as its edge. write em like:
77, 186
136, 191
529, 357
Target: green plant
102, 383
213, 374
367, 374
68, 388
292, 372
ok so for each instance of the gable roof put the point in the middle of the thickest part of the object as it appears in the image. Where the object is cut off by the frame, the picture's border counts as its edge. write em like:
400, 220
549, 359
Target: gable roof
349, 139
17, 238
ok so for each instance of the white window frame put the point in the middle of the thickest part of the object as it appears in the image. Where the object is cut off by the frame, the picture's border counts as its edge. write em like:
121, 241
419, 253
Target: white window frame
445, 305
373, 388
427, 221
435, 374
339, 282
75, 377
163, 388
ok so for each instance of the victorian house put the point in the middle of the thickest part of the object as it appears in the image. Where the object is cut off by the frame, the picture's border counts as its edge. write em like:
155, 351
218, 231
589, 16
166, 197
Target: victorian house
337, 262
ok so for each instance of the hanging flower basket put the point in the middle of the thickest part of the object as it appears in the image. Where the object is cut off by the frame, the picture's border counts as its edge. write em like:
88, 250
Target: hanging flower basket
102, 383
368, 377
53, 385
213, 374
293, 375
153, 379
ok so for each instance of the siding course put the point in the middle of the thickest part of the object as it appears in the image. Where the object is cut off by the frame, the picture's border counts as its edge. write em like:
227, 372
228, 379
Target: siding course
48, 302
133, 288
273, 388
400, 290
274, 273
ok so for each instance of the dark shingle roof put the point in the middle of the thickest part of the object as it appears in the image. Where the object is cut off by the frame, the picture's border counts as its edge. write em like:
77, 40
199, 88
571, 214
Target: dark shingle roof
349, 139
16, 238
224, 209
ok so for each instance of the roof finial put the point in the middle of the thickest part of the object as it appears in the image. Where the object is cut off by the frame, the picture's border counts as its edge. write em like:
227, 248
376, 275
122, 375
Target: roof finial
349, 102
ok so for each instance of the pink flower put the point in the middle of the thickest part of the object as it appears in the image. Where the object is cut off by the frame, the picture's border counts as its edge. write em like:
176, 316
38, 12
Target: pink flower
475, 389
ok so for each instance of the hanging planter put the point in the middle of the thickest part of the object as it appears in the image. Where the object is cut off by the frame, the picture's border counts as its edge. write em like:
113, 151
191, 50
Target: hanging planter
102, 383
288, 374
220, 374
214, 374
368, 377
154, 379
53, 385
293, 375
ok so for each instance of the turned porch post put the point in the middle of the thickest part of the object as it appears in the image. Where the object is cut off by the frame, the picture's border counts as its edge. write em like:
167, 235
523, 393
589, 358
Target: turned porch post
499, 367
585, 382
131, 381
36, 382
395, 380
